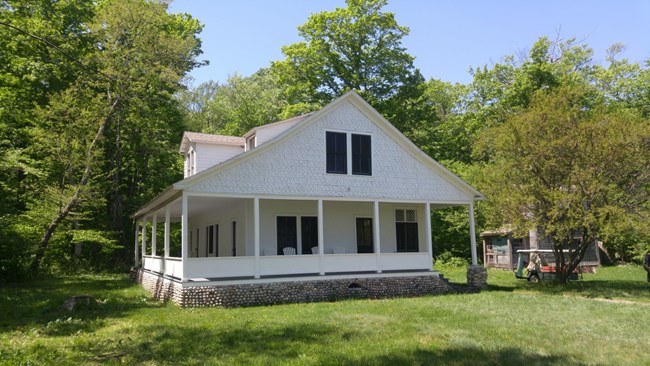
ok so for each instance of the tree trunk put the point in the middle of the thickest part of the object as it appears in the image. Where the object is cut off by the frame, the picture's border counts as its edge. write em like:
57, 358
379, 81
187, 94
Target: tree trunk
75, 199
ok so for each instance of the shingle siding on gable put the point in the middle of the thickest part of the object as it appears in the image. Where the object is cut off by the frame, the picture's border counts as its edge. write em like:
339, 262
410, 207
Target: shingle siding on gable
296, 167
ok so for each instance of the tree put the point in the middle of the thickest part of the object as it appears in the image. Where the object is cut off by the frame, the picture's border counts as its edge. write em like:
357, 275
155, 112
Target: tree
123, 91
569, 166
234, 107
354, 48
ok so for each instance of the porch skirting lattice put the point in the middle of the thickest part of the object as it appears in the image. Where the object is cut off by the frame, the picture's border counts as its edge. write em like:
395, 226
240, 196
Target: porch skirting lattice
290, 291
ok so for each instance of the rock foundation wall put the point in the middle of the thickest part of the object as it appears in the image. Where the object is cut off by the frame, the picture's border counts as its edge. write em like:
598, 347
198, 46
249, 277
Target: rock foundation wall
291, 291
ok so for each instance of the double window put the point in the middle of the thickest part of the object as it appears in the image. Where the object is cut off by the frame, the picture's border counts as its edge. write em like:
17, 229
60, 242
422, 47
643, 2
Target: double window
301, 238
337, 153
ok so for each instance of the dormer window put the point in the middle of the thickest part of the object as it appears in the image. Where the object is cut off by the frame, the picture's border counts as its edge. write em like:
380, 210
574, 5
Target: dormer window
250, 143
192, 162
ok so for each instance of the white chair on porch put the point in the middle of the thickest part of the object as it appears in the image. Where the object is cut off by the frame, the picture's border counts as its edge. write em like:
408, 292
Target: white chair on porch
289, 251
269, 251
338, 250
314, 250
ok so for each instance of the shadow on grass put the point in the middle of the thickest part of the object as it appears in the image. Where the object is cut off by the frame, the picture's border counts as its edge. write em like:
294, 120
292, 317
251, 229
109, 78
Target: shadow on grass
603, 289
460, 356
160, 344
38, 303
304, 343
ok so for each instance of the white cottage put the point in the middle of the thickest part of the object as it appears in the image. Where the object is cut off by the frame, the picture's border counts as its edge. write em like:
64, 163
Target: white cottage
330, 204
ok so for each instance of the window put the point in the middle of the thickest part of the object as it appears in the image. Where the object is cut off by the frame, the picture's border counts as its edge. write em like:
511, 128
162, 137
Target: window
364, 235
406, 229
250, 143
361, 156
302, 238
337, 156
212, 241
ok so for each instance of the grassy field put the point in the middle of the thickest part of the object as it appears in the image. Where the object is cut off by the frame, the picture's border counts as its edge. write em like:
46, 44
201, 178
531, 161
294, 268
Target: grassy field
602, 319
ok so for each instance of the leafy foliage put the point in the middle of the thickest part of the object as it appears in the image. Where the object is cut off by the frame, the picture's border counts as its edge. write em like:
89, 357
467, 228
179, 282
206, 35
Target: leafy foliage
99, 121
569, 166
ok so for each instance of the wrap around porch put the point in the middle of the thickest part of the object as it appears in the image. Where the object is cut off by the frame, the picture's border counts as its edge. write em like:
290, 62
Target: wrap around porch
199, 237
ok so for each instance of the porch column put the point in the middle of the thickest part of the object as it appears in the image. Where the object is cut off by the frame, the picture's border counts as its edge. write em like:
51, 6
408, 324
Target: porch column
144, 238
472, 233
167, 229
256, 234
154, 230
184, 228
376, 239
427, 221
136, 252
166, 240
321, 240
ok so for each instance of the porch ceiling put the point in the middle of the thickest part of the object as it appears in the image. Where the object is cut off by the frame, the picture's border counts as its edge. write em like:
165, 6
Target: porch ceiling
198, 206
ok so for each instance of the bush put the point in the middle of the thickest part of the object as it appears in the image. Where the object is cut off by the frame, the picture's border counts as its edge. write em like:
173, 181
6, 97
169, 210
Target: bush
446, 258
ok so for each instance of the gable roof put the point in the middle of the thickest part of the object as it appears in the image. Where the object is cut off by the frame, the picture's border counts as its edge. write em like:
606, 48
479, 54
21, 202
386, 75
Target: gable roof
189, 137
372, 114
174, 191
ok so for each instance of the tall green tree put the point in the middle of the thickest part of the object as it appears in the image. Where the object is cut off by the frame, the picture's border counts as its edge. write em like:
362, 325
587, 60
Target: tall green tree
236, 106
358, 47
122, 89
571, 167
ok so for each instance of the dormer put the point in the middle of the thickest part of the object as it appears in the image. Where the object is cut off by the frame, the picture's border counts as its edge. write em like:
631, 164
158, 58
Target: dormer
202, 151
258, 135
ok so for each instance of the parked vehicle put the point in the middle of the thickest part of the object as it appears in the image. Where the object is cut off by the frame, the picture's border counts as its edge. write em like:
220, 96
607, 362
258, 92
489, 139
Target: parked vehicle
539, 266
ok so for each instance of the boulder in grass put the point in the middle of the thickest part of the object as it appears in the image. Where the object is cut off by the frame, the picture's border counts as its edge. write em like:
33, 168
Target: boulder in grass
79, 302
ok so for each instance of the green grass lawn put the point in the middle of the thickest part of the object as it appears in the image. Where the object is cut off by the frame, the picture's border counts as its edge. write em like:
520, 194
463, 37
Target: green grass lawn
512, 323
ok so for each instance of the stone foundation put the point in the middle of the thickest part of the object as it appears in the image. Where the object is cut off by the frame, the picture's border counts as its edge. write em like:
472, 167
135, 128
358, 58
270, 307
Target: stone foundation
300, 291
476, 277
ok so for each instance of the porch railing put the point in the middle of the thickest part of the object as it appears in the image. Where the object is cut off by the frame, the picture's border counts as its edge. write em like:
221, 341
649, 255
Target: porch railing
229, 267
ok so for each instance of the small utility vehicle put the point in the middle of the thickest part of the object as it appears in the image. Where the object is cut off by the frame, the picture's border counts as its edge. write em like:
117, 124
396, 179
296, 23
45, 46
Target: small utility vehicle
539, 266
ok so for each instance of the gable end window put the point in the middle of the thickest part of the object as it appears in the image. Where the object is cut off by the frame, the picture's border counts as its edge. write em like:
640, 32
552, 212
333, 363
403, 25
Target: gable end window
361, 156
336, 152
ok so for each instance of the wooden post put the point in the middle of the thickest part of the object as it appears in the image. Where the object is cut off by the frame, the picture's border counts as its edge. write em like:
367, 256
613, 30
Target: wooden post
256, 234
144, 239
376, 238
321, 238
427, 218
472, 234
184, 229
154, 229
167, 229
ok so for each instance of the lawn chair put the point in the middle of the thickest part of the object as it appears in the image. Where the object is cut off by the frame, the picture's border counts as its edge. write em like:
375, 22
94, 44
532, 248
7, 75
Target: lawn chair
289, 251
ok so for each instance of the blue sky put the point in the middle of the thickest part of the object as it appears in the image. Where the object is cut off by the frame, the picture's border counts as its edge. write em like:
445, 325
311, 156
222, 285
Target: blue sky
446, 37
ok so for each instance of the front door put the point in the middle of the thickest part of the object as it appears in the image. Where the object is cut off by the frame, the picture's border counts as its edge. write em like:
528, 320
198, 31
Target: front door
308, 233
364, 235
286, 233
